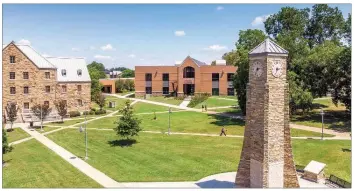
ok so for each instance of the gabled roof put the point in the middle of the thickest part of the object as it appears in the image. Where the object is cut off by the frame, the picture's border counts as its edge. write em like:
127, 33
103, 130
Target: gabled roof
268, 46
197, 62
33, 55
71, 65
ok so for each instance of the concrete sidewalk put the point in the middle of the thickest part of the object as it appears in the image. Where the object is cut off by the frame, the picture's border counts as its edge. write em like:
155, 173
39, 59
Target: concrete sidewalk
319, 130
81, 165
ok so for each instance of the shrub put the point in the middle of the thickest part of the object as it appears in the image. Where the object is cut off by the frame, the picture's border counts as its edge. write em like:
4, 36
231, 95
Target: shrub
88, 113
198, 98
99, 112
182, 97
93, 109
74, 113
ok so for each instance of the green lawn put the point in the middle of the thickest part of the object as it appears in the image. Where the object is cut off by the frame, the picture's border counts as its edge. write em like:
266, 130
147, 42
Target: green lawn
158, 157
214, 102
230, 110
335, 117
125, 93
46, 129
32, 165
142, 107
191, 122
163, 99
119, 103
16, 134
228, 97
67, 123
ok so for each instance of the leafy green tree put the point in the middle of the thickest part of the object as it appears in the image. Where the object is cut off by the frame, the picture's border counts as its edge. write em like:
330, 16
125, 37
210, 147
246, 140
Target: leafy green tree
97, 67
119, 85
96, 89
101, 100
128, 124
247, 40
213, 63
41, 111
96, 71
326, 23
62, 108
347, 30
11, 113
127, 73
5, 145
129, 84
299, 97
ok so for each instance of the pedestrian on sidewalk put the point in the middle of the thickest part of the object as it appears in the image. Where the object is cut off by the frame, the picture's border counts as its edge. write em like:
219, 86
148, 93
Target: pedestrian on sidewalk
202, 107
205, 108
223, 131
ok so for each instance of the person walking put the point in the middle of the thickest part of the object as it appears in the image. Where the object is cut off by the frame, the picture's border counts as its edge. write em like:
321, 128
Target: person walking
223, 131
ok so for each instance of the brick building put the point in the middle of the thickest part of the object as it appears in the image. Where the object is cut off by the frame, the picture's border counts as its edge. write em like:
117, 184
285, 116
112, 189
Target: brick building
189, 77
29, 78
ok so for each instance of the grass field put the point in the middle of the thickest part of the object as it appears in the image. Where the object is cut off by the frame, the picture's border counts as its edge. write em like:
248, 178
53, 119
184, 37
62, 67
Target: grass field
119, 103
158, 157
16, 134
230, 110
45, 129
32, 165
214, 102
163, 99
142, 107
191, 122
125, 93
335, 118
67, 123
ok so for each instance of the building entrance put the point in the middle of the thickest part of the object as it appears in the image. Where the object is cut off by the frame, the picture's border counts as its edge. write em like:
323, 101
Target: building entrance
188, 89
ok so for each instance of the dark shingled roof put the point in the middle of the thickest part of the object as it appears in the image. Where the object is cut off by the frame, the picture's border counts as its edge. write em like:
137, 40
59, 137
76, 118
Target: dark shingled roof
199, 63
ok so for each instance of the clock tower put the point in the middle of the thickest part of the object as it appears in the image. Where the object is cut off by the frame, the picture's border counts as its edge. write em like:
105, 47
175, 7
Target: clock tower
266, 158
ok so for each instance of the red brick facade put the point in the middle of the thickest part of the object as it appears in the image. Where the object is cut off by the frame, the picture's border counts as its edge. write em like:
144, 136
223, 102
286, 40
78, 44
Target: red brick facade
177, 81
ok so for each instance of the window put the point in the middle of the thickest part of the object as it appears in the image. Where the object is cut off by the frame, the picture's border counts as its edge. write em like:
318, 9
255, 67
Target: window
47, 75
230, 77
165, 77
25, 90
46, 103
79, 88
12, 75
165, 91
79, 72
215, 91
65, 102
188, 72
148, 77
79, 102
12, 90
63, 72
63, 88
12, 59
230, 91
26, 105
148, 90
25, 75
47, 89
215, 76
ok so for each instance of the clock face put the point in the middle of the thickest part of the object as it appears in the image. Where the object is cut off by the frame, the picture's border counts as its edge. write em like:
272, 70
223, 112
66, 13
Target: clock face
277, 69
257, 69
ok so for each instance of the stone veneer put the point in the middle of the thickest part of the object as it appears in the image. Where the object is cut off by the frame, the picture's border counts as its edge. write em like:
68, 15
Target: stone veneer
36, 83
266, 157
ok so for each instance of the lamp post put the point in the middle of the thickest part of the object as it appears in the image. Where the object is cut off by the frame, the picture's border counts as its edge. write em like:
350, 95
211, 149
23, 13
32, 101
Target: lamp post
86, 154
41, 117
169, 120
322, 113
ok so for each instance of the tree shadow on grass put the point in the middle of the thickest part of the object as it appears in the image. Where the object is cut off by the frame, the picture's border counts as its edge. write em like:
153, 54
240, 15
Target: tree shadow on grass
318, 106
226, 121
346, 150
122, 142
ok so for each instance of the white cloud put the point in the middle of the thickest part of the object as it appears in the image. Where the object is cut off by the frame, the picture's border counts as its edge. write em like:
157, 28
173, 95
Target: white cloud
24, 41
107, 47
180, 33
259, 20
101, 57
92, 48
75, 49
216, 47
219, 8
132, 56
45, 55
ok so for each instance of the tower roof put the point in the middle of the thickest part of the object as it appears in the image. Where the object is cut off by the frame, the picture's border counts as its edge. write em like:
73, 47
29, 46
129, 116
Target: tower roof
268, 46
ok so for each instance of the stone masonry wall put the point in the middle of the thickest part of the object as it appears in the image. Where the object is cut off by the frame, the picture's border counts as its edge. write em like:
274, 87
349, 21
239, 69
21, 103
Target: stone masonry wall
72, 95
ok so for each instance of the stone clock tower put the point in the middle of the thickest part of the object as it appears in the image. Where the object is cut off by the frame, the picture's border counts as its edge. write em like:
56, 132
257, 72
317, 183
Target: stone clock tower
266, 158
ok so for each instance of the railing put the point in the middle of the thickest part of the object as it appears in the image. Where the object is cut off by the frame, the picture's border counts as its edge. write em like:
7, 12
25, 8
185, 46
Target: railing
338, 181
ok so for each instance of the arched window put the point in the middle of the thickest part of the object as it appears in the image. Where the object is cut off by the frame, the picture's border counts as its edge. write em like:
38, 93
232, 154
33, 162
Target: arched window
188, 72
79, 72
63, 72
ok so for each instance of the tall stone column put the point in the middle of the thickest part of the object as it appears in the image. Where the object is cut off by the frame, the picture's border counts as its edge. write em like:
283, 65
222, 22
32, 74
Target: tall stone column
266, 157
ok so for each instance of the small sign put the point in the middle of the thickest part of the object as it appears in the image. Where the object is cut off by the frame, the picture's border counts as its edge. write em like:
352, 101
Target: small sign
81, 129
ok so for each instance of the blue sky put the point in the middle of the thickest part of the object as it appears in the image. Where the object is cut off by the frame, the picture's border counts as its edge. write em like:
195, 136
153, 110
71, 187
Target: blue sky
131, 34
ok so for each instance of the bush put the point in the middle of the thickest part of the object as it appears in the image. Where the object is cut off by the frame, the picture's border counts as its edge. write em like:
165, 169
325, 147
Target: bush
93, 109
181, 97
74, 113
89, 112
99, 112
198, 98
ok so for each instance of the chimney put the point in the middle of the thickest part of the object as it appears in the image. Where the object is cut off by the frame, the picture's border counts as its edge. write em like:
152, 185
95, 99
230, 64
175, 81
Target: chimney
220, 62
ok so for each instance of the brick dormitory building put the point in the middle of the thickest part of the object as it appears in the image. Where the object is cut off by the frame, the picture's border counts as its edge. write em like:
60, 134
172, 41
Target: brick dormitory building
30, 78
188, 78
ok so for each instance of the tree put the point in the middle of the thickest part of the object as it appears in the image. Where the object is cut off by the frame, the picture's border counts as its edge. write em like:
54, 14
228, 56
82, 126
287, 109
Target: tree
5, 145
101, 100
129, 84
128, 124
41, 111
213, 63
299, 98
119, 85
97, 67
128, 73
96, 88
247, 40
61, 108
11, 112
